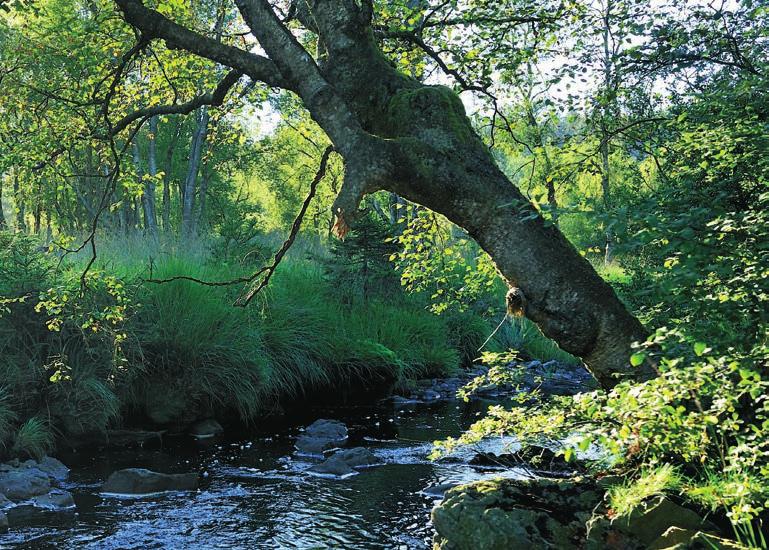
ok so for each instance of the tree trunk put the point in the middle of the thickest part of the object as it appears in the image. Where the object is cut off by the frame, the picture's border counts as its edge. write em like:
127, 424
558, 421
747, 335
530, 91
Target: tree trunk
3, 224
193, 166
203, 195
605, 135
148, 197
167, 178
397, 134
21, 225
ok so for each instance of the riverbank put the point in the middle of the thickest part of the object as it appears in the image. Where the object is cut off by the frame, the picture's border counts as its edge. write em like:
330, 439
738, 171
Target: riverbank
128, 354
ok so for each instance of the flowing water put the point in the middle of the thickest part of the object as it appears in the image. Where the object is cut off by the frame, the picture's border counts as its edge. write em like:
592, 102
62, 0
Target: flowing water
255, 492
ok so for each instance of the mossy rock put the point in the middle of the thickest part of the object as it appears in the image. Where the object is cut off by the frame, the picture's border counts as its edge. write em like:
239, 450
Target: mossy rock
501, 514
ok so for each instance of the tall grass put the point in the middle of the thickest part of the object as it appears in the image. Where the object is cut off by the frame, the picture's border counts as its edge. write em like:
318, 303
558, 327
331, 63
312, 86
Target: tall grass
187, 352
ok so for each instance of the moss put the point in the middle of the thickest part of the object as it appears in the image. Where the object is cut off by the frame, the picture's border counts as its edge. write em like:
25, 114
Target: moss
412, 110
505, 513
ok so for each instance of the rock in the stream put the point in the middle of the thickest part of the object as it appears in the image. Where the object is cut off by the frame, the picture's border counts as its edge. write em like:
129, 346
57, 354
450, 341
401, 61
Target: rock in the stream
327, 429
205, 429
504, 514
439, 490
3, 522
357, 457
24, 483
344, 462
138, 481
333, 467
53, 467
320, 436
56, 500
5, 502
431, 395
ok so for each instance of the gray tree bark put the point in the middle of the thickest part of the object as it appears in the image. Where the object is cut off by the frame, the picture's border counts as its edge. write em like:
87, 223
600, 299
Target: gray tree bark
193, 167
397, 134
148, 196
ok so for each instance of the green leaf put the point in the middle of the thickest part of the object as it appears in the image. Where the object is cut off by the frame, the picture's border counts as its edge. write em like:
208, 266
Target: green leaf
637, 359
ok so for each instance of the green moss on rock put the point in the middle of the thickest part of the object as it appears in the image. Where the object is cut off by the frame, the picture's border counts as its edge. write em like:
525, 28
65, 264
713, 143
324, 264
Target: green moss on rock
502, 514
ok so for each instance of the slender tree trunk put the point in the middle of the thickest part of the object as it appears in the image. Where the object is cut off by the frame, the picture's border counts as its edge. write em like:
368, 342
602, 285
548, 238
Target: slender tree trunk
200, 222
167, 178
38, 209
3, 223
148, 197
605, 136
21, 225
193, 166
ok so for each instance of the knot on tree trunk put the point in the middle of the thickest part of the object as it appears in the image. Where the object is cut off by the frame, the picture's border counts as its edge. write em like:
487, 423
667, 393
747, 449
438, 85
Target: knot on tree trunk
516, 302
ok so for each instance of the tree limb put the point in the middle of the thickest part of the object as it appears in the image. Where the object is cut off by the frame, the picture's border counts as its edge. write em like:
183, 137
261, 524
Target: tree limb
215, 98
154, 25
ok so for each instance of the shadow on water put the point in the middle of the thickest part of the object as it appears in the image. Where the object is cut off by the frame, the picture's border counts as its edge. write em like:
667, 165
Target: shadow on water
256, 494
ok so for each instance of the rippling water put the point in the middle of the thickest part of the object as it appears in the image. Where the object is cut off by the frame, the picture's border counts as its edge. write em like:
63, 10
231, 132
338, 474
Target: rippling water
256, 494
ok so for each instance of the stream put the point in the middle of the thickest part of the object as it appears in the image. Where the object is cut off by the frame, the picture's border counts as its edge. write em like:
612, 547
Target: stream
255, 492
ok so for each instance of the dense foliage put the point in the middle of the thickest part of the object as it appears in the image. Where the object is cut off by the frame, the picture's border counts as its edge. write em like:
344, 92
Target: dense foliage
640, 130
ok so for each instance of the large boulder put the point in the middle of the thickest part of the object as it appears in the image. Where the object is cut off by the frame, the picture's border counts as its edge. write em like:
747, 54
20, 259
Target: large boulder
648, 524
501, 514
138, 481
54, 468
321, 436
23, 483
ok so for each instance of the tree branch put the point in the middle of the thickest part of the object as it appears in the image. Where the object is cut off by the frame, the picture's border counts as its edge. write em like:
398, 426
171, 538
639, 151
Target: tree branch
264, 274
154, 25
215, 98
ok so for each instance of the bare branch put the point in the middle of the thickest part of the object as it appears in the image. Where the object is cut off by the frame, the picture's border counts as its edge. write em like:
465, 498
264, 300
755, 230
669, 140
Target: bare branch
263, 275
215, 98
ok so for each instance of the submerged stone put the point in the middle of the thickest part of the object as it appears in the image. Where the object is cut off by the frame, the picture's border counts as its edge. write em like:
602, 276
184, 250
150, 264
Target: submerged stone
439, 490
138, 481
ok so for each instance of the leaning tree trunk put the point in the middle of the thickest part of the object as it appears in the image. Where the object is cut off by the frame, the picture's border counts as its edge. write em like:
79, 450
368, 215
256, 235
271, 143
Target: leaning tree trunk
397, 134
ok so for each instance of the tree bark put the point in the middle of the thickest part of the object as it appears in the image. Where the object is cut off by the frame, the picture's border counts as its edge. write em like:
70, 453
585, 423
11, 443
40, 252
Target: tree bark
193, 166
3, 224
148, 197
21, 225
167, 177
397, 134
